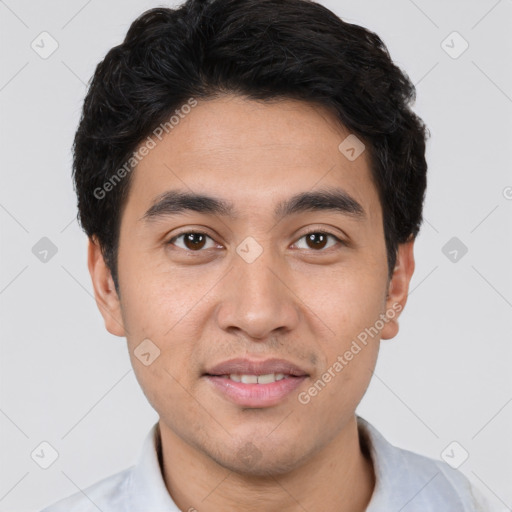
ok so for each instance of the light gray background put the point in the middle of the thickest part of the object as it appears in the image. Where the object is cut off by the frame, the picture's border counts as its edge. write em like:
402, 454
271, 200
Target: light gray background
446, 377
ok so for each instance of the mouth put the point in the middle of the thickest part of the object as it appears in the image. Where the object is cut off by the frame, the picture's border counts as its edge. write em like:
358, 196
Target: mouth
268, 378
255, 384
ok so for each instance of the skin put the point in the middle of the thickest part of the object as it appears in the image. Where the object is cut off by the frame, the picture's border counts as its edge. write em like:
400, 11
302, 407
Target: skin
295, 301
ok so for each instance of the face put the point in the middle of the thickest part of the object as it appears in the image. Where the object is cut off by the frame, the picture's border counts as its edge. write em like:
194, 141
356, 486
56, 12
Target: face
278, 272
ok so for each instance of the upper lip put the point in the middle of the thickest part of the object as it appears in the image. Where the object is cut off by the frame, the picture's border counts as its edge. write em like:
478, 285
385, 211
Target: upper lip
247, 367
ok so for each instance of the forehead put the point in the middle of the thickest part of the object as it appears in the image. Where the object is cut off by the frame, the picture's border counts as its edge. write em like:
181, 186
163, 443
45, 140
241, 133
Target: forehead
250, 153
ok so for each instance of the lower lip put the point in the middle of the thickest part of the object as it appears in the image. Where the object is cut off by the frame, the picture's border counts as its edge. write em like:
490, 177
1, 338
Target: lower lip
256, 395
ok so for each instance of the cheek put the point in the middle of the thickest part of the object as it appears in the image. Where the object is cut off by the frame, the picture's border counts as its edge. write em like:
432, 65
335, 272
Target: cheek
154, 296
351, 306
348, 300
169, 378
343, 380
159, 309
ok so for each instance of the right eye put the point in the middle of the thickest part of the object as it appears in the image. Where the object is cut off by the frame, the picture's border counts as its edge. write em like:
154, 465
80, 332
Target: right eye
193, 241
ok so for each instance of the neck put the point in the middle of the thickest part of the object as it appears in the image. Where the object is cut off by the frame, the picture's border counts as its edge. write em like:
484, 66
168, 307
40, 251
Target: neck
339, 477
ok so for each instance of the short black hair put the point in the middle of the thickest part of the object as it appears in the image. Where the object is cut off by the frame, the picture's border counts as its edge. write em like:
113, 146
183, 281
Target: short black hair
262, 50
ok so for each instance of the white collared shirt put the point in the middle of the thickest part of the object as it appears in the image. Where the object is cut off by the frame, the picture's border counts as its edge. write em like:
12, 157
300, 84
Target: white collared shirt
405, 482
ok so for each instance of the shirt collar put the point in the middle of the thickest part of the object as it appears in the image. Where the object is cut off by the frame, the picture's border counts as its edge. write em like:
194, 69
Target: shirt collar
407, 479
147, 490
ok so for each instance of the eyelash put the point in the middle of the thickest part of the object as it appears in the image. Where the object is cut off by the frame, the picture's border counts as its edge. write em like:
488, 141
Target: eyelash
313, 231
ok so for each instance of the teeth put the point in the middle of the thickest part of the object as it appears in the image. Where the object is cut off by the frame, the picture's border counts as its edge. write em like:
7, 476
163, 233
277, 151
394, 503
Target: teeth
266, 379
257, 379
249, 379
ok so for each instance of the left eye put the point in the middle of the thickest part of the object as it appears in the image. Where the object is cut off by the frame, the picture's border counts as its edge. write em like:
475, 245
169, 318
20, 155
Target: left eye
318, 240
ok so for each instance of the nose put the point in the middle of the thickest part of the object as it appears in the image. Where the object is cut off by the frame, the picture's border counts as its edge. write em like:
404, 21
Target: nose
259, 298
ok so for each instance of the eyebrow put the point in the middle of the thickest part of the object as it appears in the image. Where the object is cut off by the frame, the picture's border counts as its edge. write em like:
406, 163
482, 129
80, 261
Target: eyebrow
174, 202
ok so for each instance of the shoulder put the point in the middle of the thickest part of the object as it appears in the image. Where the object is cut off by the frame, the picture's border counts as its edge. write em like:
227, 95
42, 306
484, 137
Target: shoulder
412, 482
441, 485
107, 495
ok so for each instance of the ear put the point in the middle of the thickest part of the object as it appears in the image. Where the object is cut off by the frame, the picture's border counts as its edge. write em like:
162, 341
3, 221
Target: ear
104, 290
398, 288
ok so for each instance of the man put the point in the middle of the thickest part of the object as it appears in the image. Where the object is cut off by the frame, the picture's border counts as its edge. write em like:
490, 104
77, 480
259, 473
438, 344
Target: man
251, 178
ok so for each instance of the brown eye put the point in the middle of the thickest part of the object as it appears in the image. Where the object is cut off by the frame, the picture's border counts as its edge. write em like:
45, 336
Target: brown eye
192, 241
318, 240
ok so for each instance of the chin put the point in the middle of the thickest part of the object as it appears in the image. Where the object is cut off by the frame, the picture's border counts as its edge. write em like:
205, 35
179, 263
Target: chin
258, 460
